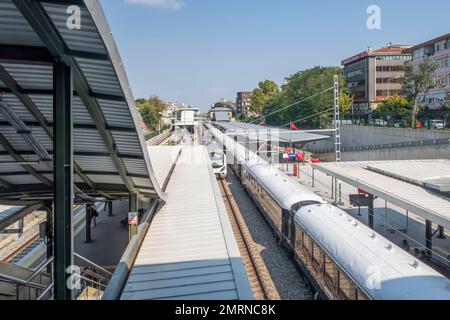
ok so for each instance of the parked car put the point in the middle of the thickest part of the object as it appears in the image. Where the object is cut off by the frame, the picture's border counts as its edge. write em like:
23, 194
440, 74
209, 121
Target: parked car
437, 124
378, 122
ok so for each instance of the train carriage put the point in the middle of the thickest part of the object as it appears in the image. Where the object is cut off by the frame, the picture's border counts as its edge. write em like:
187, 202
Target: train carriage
341, 257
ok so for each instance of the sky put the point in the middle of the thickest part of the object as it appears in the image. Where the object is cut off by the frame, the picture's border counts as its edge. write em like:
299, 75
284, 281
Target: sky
199, 51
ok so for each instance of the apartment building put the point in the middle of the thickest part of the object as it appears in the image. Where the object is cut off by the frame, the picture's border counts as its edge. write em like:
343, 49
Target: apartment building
437, 50
243, 102
374, 75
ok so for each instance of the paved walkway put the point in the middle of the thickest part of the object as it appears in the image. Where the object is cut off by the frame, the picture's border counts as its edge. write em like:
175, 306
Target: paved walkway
109, 239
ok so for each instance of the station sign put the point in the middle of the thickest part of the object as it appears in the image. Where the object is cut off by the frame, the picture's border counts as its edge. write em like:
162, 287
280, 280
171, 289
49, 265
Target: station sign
359, 200
132, 218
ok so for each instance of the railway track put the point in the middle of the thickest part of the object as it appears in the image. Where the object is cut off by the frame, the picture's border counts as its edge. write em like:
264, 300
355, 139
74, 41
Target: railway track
260, 280
22, 248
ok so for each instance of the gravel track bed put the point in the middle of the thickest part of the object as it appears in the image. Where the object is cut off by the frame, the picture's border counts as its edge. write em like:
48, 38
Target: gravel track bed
280, 265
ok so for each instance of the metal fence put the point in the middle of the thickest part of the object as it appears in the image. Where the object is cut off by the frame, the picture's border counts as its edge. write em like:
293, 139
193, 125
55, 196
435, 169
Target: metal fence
424, 119
410, 144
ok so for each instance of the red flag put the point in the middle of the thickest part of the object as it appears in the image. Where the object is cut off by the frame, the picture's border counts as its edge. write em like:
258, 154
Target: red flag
294, 127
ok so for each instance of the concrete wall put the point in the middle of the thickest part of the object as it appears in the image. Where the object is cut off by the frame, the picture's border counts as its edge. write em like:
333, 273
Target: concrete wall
413, 153
369, 136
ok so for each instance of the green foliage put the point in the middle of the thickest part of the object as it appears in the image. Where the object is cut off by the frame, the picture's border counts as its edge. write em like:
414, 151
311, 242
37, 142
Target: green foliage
417, 82
394, 105
267, 90
221, 104
150, 111
303, 85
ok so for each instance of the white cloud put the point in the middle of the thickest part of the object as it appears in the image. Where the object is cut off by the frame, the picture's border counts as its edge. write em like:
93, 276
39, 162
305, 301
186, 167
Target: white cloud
169, 4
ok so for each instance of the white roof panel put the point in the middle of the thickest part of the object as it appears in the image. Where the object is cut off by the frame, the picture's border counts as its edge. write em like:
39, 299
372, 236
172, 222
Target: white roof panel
429, 173
426, 203
262, 133
189, 251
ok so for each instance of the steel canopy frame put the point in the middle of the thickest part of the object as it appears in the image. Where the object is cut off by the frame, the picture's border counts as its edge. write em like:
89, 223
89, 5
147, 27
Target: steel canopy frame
37, 17
68, 76
63, 176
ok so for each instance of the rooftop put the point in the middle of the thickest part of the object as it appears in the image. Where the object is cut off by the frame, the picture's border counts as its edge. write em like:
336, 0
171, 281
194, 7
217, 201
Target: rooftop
263, 133
109, 157
391, 49
430, 42
416, 186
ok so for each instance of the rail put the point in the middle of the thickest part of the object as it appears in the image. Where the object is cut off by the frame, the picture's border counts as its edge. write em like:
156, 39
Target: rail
157, 140
399, 145
256, 269
22, 248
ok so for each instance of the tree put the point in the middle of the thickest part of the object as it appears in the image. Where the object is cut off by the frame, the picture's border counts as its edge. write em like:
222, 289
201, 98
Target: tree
417, 82
266, 91
309, 112
150, 111
222, 104
395, 105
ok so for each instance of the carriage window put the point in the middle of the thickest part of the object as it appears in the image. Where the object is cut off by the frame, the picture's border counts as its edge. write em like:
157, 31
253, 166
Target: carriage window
317, 257
346, 286
317, 254
307, 245
298, 238
330, 273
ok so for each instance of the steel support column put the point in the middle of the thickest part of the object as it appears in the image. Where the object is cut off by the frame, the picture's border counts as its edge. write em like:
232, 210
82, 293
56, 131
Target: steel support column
371, 211
88, 223
428, 234
337, 121
63, 178
133, 202
110, 209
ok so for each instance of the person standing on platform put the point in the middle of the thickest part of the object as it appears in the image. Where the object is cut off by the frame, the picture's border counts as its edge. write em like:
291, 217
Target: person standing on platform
94, 216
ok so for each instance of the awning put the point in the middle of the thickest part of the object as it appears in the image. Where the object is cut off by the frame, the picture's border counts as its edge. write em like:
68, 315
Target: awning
263, 133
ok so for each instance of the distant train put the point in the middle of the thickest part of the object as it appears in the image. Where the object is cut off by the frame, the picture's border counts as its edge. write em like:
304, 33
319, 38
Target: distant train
340, 257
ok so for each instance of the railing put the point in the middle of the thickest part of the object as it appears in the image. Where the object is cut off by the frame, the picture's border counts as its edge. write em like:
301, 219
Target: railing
119, 278
410, 144
40, 290
94, 276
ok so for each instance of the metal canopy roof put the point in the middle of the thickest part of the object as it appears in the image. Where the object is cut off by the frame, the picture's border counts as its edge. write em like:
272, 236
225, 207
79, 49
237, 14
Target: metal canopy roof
433, 174
110, 158
257, 132
424, 202
10, 215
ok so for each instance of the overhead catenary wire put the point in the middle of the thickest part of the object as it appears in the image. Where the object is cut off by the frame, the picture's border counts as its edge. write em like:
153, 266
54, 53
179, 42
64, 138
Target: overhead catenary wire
306, 118
293, 104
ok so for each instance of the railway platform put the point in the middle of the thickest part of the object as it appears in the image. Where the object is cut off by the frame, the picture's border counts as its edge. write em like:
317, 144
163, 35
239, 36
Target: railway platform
392, 221
189, 251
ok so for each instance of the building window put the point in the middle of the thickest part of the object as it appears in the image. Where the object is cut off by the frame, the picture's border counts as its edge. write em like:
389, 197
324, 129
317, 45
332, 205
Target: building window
355, 73
389, 80
390, 68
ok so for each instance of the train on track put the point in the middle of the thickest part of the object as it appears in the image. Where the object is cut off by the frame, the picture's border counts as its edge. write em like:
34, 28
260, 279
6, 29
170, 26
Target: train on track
340, 257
